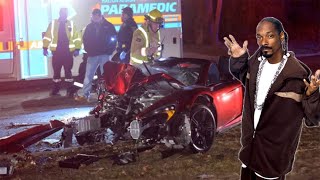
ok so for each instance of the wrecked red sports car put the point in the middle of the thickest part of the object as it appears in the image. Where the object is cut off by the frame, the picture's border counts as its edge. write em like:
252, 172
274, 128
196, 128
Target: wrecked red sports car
183, 106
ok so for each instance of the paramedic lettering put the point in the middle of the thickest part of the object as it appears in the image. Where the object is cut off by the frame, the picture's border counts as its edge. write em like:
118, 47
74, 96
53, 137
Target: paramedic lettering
115, 9
117, 1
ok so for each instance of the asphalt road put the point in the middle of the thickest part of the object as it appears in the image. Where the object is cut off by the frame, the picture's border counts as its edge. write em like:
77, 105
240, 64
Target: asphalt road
29, 102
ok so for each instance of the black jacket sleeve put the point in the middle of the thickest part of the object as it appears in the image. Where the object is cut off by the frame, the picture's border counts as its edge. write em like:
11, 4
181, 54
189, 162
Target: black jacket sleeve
125, 36
86, 39
239, 67
111, 38
311, 105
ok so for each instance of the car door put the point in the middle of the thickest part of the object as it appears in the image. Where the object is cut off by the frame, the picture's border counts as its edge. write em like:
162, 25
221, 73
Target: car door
227, 96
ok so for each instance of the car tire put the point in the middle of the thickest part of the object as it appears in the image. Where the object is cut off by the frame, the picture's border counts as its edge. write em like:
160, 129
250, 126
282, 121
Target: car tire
203, 128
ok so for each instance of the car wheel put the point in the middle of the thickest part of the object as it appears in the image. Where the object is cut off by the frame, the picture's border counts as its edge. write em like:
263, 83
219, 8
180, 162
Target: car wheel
203, 128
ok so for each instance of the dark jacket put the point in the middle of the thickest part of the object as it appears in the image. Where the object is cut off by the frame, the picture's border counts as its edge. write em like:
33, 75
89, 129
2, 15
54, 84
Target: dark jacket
100, 38
270, 150
312, 107
125, 35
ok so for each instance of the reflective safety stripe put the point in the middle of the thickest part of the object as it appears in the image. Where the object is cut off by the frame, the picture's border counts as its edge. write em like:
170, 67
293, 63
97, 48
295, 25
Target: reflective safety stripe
82, 48
71, 22
46, 38
52, 29
145, 36
52, 35
152, 17
72, 46
138, 61
78, 84
68, 80
77, 39
159, 36
144, 51
56, 80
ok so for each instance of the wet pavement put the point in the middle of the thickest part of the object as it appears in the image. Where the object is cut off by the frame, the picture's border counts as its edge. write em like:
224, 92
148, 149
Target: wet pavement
21, 109
8, 124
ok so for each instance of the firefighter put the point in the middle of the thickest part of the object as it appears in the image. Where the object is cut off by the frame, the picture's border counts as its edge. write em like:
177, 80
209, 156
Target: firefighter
125, 35
146, 45
63, 41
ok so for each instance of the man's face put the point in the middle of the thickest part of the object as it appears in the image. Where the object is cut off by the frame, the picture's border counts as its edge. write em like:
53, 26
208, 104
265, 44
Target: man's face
96, 18
154, 26
269, 39
63, 14
124, 17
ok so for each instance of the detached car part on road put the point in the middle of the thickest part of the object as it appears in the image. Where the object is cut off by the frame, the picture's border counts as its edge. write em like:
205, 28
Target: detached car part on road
23, 139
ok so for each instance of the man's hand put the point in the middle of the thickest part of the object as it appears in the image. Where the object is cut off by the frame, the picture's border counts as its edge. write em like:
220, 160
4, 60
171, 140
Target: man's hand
317, 74
151, 50
76, 52
45, 52
314, 83
234, 49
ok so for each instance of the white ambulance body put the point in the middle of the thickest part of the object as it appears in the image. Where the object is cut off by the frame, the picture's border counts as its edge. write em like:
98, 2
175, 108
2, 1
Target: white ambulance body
23, 21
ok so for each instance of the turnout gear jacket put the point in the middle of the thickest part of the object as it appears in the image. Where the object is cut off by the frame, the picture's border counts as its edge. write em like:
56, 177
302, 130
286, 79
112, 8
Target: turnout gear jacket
50, 39
270, 148
142, 40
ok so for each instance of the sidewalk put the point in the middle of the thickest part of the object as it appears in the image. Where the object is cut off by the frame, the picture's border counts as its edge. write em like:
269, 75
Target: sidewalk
25, 86
19, 102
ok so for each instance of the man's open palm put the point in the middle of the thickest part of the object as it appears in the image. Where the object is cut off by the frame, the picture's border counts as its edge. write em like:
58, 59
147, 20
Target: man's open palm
314, 83
234, 49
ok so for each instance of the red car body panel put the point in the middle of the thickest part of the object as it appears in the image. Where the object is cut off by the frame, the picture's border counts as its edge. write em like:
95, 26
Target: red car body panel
21, 140
121, 77
228, 103
226, 96
118, 77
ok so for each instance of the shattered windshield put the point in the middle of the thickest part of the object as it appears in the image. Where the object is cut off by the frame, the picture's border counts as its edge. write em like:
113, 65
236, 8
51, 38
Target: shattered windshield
185, 72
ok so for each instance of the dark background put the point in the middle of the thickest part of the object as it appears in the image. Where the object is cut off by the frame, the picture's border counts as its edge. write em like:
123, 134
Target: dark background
206, 22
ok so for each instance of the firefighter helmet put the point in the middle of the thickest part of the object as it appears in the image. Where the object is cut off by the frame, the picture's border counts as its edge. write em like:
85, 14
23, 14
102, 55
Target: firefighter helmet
155, 16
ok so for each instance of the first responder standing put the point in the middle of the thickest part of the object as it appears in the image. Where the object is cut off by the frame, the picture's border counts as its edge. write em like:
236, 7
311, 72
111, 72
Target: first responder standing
125, 34
63, 41
146, 44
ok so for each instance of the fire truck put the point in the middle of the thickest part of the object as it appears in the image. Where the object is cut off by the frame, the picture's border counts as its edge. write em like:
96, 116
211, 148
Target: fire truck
22, 23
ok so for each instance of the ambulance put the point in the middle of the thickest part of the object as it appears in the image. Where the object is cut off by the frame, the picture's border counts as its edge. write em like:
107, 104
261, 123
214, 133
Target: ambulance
22, 23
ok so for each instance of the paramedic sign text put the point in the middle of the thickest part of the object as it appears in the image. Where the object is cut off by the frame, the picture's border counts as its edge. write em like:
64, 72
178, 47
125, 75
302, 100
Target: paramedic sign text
114, 7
